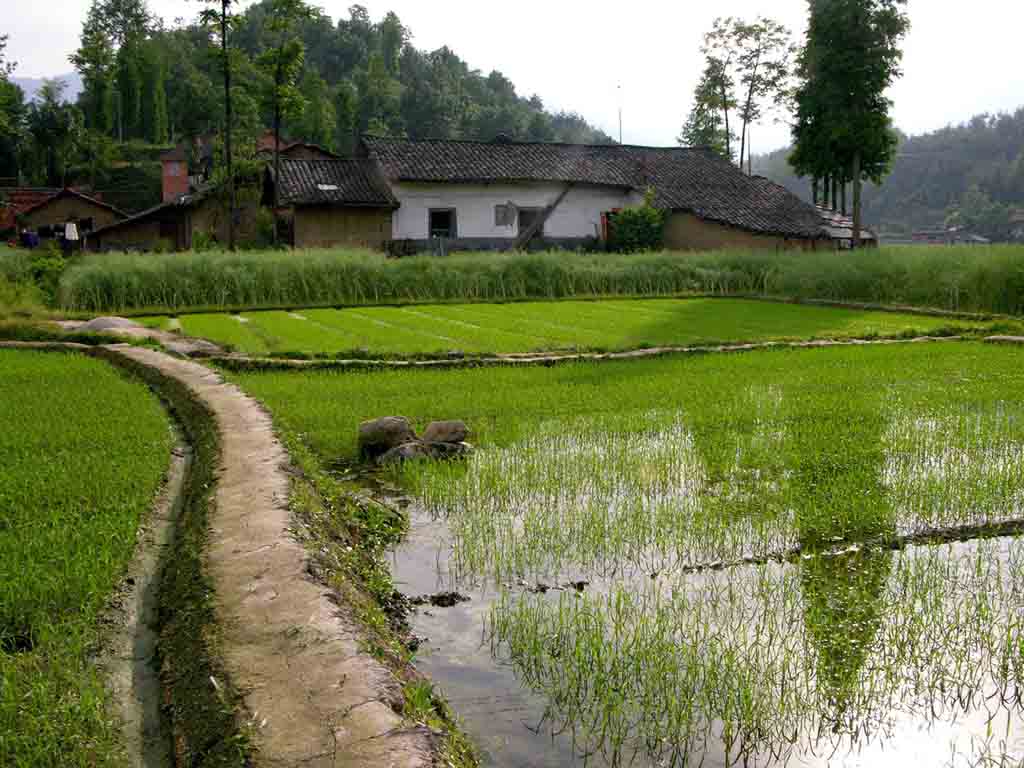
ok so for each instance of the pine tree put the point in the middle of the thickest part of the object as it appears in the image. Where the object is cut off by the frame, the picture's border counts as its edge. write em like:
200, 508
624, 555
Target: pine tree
154, 97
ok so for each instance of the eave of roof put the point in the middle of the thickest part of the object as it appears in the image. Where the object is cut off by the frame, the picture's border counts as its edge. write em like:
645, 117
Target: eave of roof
68, 192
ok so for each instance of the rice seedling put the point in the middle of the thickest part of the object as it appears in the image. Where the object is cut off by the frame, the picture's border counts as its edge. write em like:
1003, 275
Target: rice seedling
531, 327
82, 453
822, 465
962, 279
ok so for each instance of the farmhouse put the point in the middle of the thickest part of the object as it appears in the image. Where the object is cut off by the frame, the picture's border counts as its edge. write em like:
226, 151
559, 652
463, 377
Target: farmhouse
50, 215
173, 225
333, 202
459, 195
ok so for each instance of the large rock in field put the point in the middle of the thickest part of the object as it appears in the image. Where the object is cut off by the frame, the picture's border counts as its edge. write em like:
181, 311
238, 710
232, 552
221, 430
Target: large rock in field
446, 432
379, 436
430, 451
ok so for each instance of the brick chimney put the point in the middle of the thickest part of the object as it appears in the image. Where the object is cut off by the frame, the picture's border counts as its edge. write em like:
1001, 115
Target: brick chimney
175, 174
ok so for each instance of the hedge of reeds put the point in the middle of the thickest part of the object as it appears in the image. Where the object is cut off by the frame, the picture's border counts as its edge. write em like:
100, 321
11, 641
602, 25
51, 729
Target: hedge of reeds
973, 279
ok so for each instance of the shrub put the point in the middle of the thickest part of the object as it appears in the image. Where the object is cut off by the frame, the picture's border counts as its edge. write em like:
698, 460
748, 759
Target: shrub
641, 228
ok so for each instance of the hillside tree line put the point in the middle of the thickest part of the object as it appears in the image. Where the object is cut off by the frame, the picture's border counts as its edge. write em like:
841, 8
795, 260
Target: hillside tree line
146, 82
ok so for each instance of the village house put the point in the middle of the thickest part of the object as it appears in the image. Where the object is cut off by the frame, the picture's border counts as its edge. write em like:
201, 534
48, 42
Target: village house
460, 195
47, 213
407, 196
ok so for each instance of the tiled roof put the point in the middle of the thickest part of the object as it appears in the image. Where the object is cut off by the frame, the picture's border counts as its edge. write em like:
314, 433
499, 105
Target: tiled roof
18, 200
350, 181
692, 180
68, 192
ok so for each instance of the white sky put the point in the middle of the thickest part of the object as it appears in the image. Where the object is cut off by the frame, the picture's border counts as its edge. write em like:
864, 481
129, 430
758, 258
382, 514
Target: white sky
959, 60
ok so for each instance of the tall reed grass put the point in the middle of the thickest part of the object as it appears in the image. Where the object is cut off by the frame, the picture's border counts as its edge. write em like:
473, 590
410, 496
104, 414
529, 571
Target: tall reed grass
977, 279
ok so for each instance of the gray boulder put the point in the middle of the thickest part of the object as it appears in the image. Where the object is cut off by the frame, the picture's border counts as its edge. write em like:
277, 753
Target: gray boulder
379, 436
430, 451
446, 432
406, 452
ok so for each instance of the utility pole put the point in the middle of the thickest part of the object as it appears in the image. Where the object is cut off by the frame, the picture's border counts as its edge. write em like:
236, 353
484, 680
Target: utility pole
228, 122
619, 88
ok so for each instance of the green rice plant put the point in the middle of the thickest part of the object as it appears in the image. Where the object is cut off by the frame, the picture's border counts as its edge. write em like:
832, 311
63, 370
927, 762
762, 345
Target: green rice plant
989, 279
82, 454
652, 481
768, 664
479, 329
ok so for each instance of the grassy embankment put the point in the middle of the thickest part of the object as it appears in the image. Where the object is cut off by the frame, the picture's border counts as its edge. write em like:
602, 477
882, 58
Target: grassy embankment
988, 280
82, 453
624, 474
477, 329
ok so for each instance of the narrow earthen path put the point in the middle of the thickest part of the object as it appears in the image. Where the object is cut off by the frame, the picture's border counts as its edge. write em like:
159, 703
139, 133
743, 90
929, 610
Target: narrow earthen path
317, 700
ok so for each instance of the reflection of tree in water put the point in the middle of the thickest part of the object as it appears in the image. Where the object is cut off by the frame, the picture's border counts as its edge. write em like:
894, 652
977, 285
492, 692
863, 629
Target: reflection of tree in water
836, 488
843, 598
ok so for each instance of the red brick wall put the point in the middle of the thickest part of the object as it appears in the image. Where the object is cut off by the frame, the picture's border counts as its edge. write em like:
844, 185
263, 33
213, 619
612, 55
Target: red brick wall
175, 179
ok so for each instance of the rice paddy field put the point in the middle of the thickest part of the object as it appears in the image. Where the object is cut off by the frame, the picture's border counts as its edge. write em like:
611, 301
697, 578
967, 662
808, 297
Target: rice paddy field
83, 451
799, 557
539, 326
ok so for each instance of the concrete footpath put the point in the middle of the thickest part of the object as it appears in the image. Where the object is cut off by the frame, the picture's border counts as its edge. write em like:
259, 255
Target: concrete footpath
317, 700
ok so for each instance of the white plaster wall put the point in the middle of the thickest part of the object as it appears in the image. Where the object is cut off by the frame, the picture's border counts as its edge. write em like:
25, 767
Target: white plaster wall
578, 215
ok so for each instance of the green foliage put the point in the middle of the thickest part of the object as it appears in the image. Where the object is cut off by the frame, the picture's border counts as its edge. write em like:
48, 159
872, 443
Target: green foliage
705, 127
961, 279
637, 228
70, 515
980, 215
566, 326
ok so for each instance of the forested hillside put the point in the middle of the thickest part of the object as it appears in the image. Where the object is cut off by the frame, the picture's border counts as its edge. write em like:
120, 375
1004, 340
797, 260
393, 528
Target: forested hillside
971, 173
149, 84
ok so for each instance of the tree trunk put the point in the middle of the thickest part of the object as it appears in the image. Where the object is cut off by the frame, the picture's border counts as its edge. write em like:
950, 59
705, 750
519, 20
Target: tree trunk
843, 190
233, 203
725, 111
856, 200
814, 190
824, 194
277, 163
835, 193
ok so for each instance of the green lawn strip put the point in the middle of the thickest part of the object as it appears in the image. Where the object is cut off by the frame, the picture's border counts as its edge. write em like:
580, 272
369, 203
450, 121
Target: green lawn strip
226, 330
82, 455
559, 330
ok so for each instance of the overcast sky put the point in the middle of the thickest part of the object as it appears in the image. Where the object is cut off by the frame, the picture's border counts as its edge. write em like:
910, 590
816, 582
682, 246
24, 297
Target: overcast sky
574, 53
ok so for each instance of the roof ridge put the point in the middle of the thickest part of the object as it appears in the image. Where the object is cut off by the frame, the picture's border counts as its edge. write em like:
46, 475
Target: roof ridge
521, 143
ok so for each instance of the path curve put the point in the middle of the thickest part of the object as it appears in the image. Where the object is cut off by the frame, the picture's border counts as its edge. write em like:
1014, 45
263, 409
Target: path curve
317, 700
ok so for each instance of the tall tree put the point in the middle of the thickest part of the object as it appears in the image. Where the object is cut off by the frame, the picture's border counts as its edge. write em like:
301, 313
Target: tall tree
753, 57
763, 69
12, 117
94, 61
318, 123
221, 21
705, 127
282, 61
851, 57
56, 129
393, 37
154, 96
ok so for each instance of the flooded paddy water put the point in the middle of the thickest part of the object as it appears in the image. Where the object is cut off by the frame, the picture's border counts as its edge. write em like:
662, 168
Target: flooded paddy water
756, 591
776, 558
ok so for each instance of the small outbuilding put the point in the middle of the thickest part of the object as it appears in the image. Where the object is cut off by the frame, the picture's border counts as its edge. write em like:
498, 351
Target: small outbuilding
174, 225
49, 217
332, 202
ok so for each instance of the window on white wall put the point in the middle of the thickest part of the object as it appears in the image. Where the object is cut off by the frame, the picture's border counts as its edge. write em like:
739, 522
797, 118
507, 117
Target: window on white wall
505, 215
441, 223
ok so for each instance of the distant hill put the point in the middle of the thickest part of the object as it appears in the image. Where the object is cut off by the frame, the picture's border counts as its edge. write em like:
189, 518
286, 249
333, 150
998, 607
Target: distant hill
933, 172
31, 85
